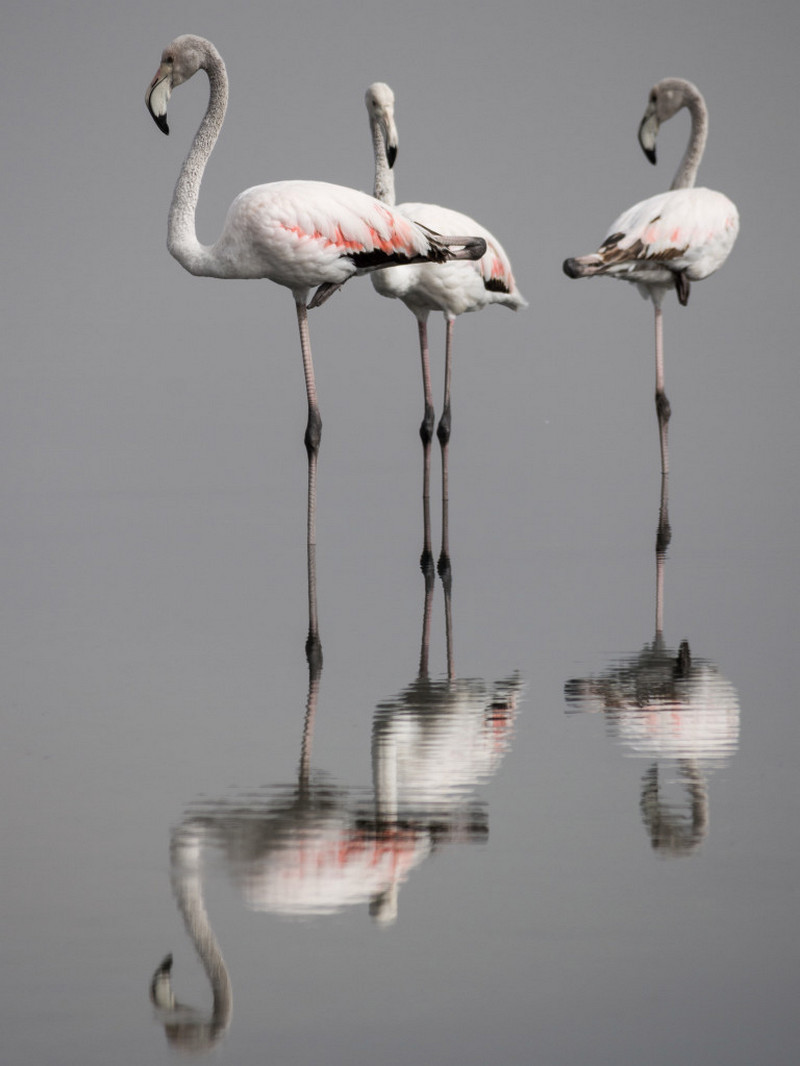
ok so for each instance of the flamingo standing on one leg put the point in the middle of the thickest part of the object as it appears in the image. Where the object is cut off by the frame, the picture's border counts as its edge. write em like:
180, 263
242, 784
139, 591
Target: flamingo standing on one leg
301, 234
460, 287
672, 239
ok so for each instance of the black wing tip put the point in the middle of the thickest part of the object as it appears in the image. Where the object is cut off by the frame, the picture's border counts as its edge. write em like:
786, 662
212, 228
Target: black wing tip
323, 293
496, 285
683, 288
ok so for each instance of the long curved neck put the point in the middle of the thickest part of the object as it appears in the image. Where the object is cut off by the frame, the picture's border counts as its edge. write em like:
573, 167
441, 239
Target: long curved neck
187, 887
182, 233
384, 175
686, 173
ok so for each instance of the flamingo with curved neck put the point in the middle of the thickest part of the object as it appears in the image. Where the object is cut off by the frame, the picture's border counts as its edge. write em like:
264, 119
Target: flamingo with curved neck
671, 239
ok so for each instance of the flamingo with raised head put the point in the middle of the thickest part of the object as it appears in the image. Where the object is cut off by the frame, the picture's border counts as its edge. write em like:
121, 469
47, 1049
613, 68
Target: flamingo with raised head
301, 234
460, 287
671, 239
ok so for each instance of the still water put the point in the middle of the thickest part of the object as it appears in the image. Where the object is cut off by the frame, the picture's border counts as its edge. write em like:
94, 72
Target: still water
541, 808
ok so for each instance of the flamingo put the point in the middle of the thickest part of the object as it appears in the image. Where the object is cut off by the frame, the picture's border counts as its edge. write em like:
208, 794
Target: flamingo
458, 288
671, 239
671, 707
301, 234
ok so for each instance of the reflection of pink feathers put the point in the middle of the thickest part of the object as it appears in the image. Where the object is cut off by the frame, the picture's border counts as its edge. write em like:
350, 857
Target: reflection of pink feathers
700, 722
437, 741
659, 715
329, 866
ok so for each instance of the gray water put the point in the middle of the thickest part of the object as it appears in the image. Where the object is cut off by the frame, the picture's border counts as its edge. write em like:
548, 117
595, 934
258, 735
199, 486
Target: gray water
544, 814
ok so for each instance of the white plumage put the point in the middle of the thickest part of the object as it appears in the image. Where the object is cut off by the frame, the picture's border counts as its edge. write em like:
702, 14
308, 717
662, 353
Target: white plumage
459, 287
684, 231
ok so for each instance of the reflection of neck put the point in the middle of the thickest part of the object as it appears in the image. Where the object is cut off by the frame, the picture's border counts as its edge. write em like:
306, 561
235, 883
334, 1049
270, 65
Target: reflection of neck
670, 833
186, 1027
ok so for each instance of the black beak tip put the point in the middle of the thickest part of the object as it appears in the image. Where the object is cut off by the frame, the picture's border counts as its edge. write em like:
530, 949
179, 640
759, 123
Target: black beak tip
651, 155
391, 155
160, 121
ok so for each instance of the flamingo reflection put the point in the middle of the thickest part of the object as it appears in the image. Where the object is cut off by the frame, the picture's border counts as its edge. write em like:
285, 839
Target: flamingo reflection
670, 707
185, 1027
436, 741
312, 848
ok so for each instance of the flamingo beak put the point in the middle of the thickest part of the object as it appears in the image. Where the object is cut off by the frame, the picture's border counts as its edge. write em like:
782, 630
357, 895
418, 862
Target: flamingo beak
648, 132
389, 137
157, 95
161, 994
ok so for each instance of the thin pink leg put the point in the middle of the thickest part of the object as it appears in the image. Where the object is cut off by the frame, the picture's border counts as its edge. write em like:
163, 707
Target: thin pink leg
443, 433
312, 438
426, 435
663, 409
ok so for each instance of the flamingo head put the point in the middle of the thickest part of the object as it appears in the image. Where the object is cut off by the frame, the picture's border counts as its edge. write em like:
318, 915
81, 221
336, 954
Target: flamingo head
179, 61
666, 99
379, 99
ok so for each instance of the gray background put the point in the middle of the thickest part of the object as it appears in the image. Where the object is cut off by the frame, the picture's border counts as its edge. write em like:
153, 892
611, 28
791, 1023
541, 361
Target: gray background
152, 566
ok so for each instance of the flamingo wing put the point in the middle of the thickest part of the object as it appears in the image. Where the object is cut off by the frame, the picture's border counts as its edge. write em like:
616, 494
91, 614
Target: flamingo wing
459, 286
496, 270
688, 231
305, 234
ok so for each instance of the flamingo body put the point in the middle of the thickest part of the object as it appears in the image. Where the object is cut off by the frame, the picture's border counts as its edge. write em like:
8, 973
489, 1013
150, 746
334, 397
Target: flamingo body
302, 234
687, 232
465, 286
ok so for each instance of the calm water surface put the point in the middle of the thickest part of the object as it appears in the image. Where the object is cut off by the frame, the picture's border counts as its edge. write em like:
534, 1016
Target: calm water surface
540, 813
